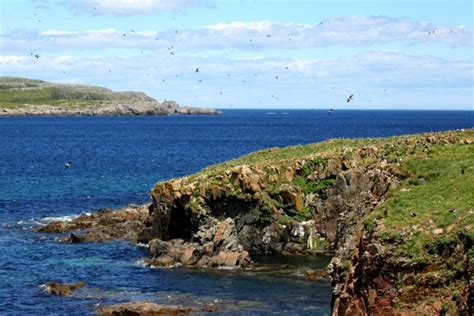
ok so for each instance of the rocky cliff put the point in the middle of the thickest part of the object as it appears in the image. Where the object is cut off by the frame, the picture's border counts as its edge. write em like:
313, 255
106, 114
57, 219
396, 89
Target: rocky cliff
20, 96
395, 214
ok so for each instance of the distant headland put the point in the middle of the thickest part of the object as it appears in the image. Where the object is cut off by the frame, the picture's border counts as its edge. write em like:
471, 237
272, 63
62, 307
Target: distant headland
22, 96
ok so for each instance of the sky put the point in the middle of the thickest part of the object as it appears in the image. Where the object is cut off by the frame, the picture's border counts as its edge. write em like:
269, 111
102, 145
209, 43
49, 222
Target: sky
291, 54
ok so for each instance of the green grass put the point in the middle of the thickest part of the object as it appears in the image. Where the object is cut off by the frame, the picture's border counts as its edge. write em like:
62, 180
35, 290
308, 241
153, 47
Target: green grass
48, 95
18, 93
440, 191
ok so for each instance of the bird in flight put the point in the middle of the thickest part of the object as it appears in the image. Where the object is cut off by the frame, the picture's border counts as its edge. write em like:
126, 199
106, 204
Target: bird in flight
197, 70
37, 56
350, 98
68, 165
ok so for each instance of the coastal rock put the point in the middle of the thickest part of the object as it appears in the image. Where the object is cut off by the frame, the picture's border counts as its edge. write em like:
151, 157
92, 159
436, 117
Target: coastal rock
103, 225
144, 309
215, 246
63, 289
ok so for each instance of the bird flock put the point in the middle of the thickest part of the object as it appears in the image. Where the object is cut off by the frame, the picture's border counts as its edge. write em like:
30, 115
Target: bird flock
172, 52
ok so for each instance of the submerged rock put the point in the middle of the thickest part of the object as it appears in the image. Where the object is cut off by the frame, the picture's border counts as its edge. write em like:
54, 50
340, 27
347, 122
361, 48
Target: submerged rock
143, 309
63, 289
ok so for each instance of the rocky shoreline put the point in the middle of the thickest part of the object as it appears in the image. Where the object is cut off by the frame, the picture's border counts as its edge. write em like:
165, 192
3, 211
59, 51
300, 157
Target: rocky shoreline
319, 201
110, 109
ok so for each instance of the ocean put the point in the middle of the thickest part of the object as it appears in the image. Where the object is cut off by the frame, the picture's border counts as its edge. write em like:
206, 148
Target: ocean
115, 162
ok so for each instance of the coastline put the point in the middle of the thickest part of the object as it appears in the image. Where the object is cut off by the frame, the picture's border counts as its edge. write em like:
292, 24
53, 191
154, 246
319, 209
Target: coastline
259, 203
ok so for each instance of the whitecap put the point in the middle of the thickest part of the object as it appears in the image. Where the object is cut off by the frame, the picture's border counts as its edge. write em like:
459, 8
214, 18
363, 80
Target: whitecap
64, 218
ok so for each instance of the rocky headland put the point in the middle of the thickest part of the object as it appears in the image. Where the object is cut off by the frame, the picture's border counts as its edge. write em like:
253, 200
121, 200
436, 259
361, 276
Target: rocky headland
21, 96
395, 214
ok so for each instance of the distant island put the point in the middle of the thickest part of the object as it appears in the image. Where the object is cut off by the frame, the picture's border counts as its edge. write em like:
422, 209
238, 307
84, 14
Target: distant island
22, 96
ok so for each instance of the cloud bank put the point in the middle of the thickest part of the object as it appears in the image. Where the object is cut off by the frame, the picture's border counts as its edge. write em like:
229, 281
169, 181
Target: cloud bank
361, 31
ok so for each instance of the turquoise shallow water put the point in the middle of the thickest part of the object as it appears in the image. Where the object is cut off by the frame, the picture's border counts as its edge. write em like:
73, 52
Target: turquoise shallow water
116, 160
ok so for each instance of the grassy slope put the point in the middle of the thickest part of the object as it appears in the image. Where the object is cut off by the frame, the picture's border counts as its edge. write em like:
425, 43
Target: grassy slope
20, 92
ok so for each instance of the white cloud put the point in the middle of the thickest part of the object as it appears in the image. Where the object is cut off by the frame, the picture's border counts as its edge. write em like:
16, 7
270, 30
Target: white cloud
251, 36
246, 81
131, 7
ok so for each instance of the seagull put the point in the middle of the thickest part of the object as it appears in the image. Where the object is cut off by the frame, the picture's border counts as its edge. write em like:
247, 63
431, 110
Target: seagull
268, 35
197, 70
276, 77
37, 56
220, 93
350, 98
412, 214
68, 165
133, 31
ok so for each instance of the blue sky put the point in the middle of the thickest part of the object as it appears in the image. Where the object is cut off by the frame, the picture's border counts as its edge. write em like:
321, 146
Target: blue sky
250, 54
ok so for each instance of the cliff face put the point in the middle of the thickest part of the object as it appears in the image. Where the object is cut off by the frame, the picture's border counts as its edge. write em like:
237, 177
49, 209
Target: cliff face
395, 214
20, 96
332, 199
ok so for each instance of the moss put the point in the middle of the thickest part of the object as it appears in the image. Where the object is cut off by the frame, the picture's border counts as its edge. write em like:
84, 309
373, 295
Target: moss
370, 225
314, 186
284, 219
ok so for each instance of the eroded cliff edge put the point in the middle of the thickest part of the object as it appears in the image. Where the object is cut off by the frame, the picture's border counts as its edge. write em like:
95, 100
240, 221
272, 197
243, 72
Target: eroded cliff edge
396, 215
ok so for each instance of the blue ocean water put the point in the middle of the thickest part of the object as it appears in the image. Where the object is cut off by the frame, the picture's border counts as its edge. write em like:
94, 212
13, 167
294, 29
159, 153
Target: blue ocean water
116, 160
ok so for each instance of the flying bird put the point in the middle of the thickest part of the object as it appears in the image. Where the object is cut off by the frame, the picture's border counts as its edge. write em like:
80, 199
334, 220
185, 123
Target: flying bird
68, 165
37, 56
350, 98
197, 70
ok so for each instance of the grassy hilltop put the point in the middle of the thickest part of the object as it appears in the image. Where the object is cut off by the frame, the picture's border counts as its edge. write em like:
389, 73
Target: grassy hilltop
22, 92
